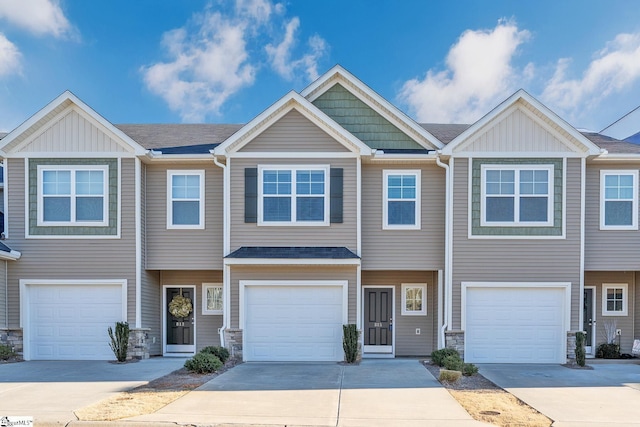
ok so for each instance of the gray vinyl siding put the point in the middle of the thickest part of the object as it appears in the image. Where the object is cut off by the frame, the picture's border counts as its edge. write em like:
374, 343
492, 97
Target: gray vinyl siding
403, 249
294, 132
67, 258
206, 325
407, 342
516, 259
184, 249
3, 294
320, 272
625, 323
621, 245
151, 296
251, 234
636, 306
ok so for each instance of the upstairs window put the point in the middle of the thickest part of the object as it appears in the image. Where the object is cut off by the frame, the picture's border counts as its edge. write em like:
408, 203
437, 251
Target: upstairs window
72, 195
517, 195
294, 196
185, 199
401, 204
619, 200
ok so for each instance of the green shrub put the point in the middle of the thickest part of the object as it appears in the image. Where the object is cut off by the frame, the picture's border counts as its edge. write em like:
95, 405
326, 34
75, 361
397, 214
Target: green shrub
608, 351
438, 356
350, 342
6, 352
120, 342
203, 363
220, 352
580, 353
449, 376
453, 363
469, 369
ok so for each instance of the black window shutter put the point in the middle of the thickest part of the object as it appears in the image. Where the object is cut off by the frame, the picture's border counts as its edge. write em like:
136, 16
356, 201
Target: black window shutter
335, 206
251, 195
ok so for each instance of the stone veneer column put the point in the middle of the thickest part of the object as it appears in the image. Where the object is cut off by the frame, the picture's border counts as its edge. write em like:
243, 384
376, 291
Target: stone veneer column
571, 347
233, 342
455, 340
13, 338
138, 343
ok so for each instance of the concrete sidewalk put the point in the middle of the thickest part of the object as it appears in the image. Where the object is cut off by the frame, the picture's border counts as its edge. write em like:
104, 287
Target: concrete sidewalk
396, 392
608, 395
50, 391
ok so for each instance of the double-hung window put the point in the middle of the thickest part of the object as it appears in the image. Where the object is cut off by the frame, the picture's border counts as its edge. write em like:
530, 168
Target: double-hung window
294, 195
619, 200
73, 195
185, 199
401, 204
517, 195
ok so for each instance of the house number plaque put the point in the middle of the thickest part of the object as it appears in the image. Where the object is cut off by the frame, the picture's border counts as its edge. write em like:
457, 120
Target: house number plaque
377, 325
179, 323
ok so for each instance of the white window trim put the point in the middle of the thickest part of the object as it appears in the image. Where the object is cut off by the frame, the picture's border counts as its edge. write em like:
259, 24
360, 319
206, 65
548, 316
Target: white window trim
73, 169
170, 225
385, 199
516, 208
206, 286
634, 205
625, 299
405, 287
327, 176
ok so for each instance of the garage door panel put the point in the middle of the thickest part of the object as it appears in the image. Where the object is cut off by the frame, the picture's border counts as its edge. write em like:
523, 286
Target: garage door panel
293, 323
514, 325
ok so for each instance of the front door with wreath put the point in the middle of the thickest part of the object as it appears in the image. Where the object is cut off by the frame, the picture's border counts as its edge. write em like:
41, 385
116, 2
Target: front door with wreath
180, 317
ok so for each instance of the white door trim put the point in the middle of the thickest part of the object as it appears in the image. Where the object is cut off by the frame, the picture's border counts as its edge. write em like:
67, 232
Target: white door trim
164, 322
380, 351
25, 311
591, 347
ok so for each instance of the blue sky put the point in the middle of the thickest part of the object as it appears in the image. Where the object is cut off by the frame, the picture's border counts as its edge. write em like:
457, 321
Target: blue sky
161, 61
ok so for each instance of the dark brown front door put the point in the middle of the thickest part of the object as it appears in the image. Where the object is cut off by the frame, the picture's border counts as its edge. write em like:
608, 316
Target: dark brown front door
180, 329
378, 320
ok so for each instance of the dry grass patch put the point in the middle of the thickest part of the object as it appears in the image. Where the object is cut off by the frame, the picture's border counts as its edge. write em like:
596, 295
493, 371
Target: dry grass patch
487, 402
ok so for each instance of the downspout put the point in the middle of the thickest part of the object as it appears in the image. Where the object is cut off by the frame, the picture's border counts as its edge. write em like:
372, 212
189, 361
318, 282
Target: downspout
446, 295
225, 239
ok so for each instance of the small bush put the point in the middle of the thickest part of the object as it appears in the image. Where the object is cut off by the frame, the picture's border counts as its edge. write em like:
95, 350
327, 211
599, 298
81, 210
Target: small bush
608, 351
453, 363
438, 356
6, 352
120, 341
203, 363
220, 352
449, 376
580, 353
350, 342
469, 369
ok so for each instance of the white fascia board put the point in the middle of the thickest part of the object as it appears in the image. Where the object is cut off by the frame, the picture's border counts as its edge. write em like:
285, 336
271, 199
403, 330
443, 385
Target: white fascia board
383, 107
68, 96
10, 256
591, 148
290, 261
276, 111
157, 156
620, 156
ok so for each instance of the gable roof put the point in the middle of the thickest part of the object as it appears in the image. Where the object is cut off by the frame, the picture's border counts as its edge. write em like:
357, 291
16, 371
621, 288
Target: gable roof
289, 102
338, 75
522, 96
15, 139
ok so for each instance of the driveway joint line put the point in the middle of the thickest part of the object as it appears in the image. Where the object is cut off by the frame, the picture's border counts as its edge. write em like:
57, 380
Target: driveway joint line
340, 395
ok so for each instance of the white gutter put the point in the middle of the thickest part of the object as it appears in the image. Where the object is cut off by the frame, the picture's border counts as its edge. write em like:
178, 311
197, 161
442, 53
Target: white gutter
226, 244
448, 284
138, 239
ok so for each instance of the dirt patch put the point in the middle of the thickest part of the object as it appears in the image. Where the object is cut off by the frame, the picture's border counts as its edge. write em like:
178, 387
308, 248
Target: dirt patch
487, 402
12, 359
150, 397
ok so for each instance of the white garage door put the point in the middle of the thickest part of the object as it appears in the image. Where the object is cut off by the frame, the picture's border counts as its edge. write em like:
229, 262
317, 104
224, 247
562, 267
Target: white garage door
293, 323
515, 325
69, 322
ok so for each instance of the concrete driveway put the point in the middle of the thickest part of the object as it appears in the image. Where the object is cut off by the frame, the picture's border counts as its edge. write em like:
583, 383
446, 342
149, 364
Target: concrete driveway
51, 390
396, 392
608, 395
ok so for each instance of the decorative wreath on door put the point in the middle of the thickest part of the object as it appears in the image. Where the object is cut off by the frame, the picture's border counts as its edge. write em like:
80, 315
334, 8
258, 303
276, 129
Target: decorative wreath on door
180, 306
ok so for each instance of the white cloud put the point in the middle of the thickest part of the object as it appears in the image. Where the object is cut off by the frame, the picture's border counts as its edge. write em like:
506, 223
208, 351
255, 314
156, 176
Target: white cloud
613, 69
10, 57
219, 52
280, 55
40, 17
479, 74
